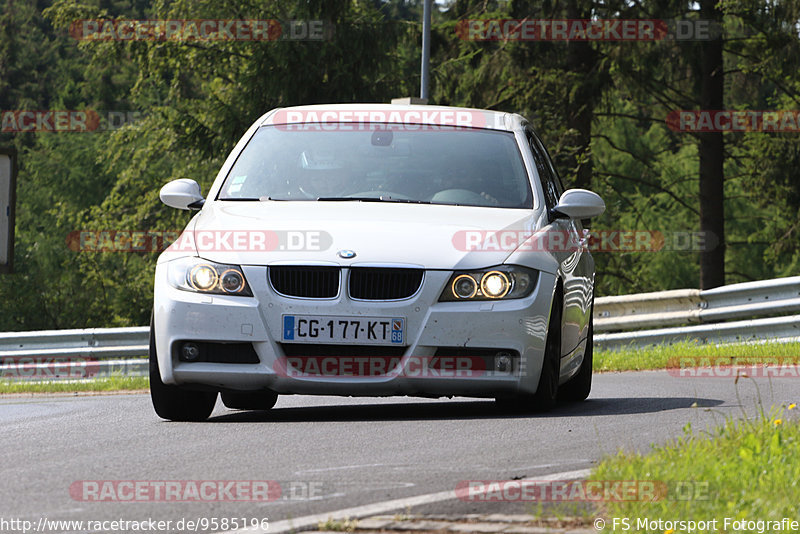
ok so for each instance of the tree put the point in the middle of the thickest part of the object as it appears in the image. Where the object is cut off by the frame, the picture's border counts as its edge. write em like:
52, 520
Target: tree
711, 79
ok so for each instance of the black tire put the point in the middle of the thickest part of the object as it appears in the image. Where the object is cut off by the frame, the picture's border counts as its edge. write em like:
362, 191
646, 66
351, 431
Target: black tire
578, 387
249, 400
172, 402
546, 394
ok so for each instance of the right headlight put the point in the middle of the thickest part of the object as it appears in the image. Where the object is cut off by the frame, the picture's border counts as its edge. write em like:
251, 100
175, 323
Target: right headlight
202, 276
495, 283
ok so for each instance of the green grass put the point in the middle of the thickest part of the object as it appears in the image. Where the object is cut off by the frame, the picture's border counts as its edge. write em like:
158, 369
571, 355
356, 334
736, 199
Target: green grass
663, 356
745, 469
113, 383
338, 525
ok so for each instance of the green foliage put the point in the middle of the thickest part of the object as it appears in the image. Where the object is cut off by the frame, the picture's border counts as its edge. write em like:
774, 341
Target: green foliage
197, 99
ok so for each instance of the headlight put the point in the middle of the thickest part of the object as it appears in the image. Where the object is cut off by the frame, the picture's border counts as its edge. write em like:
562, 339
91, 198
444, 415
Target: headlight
495, 284
201, 276
464, 286
504, 282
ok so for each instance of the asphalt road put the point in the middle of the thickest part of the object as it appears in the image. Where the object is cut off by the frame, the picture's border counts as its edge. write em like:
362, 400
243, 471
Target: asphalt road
330, 453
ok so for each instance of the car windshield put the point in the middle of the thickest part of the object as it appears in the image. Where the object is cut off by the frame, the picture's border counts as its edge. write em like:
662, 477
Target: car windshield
380, 163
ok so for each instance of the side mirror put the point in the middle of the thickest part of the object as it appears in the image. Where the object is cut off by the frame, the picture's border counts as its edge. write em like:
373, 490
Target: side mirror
579, 204
183, 194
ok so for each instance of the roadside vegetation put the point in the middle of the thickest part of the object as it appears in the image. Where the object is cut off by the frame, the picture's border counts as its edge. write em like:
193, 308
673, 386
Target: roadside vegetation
745, 470
98, 385
688, 353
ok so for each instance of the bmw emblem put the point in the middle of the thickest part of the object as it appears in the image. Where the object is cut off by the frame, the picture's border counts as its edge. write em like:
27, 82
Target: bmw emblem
347, 254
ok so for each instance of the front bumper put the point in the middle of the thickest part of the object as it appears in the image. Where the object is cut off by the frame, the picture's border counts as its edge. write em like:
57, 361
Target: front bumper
517, 325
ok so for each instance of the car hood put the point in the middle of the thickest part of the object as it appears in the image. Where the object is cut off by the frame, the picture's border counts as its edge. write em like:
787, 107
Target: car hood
274, 232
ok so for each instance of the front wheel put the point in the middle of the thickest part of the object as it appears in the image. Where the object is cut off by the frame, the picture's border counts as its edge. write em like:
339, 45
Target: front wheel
547, 391
172, 402
580, 385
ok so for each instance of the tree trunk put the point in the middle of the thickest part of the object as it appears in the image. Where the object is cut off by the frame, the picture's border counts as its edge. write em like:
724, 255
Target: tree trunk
712, 159
582, 60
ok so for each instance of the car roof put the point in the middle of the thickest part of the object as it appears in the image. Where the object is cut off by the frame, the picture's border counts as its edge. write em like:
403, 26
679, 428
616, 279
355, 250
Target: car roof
395, 113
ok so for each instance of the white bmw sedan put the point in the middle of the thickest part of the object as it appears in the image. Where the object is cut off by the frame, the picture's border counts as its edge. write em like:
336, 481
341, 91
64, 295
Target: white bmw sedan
375, 250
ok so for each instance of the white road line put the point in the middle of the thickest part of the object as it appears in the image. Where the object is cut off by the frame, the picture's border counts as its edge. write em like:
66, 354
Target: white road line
300, 523
344, 467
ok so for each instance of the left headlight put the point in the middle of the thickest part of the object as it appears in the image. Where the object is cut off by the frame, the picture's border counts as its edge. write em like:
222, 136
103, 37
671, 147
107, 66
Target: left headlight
202, 276
503, 282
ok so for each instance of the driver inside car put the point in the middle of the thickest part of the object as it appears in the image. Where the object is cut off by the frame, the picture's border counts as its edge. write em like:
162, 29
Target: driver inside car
327, 183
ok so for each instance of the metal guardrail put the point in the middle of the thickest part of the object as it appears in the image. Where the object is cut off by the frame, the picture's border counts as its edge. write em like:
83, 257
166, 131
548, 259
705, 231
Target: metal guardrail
757, 311
781, 329
629, 320
74, 354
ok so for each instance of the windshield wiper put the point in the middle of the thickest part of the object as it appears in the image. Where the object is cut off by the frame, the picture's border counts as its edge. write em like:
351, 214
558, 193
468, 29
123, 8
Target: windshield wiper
350, 199
372, 199
407, 201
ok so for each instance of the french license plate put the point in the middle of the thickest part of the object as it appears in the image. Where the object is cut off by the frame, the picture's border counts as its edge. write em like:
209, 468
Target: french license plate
334, 329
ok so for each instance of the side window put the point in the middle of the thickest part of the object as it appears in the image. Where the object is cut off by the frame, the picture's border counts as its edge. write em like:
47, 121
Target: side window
545, 170
556, 187
553, 171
